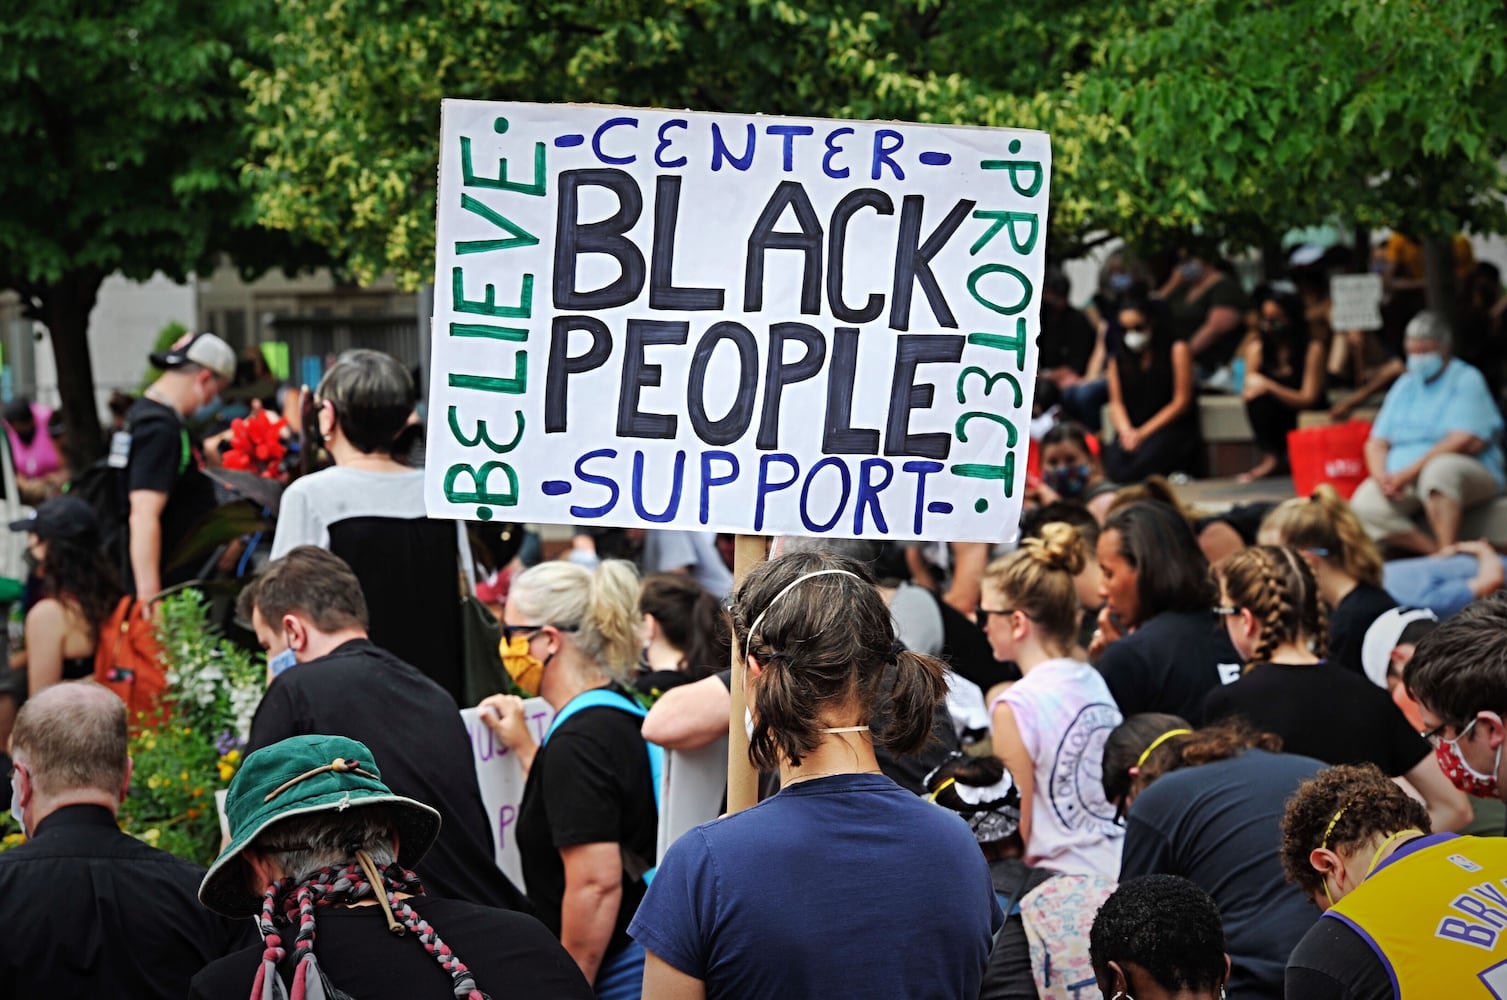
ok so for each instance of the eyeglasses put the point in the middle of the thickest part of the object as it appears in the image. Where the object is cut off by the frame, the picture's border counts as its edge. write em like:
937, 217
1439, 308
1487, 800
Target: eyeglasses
1436, 735
1226, 610
511, 632
981, 615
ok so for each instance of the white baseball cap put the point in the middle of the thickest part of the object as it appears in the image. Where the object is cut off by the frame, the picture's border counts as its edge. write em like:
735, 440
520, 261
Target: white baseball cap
200, 349
1381, 638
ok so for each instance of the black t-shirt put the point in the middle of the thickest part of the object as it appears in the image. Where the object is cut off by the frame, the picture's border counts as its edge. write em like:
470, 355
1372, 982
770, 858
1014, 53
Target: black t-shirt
1169, 664
1324, 712
589, 784
1333, 962
1219, 825
1350, 620
1067, 339
414, 731
89, 911
1008, 975
510, 954
165, 459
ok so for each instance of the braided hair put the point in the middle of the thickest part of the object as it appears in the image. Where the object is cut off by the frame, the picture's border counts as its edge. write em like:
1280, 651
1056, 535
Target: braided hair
1276, 585
288, 903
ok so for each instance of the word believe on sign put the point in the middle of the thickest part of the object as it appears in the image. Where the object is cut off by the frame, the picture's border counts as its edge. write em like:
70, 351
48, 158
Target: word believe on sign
722, 322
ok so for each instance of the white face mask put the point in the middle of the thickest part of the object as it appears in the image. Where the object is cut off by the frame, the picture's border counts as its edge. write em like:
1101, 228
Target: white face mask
15, 803
1136, 342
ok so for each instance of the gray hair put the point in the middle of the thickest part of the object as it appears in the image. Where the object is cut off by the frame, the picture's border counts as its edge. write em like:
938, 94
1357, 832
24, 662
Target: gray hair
861, 550
302, 845
1429, 326
597, 609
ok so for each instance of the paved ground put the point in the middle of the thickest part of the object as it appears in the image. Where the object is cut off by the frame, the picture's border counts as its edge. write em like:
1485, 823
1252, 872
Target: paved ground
1214, 495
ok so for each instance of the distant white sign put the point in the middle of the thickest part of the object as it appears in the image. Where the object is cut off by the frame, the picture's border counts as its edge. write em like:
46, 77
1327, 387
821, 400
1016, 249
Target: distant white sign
1355, 301
665, 319
502, 780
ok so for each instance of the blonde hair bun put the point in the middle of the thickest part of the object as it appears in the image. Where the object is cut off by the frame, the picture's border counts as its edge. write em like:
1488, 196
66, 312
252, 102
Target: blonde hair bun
1060, 547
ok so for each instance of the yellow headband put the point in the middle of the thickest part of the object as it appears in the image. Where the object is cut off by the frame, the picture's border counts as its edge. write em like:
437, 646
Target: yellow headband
1324, 844
1141, 761
940, 789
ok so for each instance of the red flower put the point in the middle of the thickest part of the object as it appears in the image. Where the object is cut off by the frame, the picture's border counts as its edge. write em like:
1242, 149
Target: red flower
256, 444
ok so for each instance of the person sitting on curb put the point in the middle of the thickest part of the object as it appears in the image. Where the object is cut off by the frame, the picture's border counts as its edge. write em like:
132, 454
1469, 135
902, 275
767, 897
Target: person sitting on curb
316, 838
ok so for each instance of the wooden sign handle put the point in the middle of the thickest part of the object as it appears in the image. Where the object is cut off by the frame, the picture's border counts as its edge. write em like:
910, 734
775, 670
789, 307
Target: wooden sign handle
742, 779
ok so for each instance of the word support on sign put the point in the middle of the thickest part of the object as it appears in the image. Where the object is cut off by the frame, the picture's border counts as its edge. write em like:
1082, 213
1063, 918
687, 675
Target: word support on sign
723, 322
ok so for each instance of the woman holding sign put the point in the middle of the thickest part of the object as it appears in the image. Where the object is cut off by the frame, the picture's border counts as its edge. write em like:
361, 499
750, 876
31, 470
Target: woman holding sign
843, 884
588, 822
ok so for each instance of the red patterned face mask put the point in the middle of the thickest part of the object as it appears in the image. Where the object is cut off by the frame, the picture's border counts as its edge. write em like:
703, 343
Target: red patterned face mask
1462, 775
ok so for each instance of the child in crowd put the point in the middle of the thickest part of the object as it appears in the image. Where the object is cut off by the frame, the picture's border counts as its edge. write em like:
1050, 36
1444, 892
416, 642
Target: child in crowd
1050, 726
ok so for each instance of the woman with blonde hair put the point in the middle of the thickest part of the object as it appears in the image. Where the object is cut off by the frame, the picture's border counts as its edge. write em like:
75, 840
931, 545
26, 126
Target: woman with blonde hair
1345, 563
1275, 620
1050, 727
588, 824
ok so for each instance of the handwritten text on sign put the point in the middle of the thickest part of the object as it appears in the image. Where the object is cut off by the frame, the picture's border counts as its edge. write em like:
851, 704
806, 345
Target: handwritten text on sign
502, 778
765, 325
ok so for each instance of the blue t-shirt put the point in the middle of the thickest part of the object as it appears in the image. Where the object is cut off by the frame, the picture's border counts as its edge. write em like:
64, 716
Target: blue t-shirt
1416, 415
844, 886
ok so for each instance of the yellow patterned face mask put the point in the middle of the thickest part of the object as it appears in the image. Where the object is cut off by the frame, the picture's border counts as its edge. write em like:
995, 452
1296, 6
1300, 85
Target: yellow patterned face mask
526, 669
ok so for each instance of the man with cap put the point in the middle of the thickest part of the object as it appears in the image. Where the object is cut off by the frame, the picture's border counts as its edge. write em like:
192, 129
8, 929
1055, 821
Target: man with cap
165, 490
317, 840
309, 614
1387, 649
87, 910
1436, 446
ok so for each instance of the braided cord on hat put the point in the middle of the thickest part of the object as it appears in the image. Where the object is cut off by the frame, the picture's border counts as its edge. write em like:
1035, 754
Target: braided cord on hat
331, 887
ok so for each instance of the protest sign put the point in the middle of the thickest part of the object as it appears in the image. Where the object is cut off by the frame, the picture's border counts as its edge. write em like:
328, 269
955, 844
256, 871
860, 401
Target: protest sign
735, 323
502, 778
694, 782
1355, 302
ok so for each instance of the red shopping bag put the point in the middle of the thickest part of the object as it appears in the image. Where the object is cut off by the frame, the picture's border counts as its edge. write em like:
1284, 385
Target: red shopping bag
1335, 454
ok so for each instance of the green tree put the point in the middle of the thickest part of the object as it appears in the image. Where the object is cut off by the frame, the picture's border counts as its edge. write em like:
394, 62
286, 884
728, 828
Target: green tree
346, 113
120, 136
1246, 117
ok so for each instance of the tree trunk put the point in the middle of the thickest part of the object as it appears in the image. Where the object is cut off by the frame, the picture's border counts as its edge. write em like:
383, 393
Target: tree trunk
1439, 270
65, 311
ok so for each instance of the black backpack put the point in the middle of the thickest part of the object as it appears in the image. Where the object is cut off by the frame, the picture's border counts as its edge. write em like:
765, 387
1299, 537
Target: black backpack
103, 487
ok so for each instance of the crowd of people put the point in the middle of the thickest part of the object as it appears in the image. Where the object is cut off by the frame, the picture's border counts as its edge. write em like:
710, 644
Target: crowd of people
1140, 751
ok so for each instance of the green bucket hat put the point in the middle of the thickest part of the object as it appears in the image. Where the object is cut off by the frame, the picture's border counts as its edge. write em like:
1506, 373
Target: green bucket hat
298, 776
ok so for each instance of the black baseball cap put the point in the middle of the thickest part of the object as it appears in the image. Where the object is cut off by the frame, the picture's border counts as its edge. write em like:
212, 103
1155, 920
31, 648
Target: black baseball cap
64, 517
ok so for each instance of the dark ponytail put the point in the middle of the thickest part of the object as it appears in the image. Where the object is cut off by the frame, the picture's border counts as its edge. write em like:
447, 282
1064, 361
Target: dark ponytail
827, 644
692, 621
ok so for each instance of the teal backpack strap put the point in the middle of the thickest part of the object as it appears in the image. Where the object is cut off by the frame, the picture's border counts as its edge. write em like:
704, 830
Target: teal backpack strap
607, 698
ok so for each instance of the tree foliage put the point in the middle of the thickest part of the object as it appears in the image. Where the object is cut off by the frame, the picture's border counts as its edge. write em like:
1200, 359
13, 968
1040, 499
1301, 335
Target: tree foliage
1236, 117
120, 140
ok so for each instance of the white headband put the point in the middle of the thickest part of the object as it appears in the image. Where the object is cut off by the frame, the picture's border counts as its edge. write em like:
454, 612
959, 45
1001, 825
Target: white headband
748, 643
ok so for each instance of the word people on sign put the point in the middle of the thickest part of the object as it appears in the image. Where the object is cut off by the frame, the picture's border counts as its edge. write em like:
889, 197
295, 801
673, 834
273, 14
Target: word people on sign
1355, 302
502, 778
725, 322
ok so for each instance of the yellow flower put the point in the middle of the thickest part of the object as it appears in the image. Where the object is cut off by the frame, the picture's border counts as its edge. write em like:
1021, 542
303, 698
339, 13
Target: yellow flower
226, 771
151, 836
14, 839
232, 757
155, 781
151, 743
184, 776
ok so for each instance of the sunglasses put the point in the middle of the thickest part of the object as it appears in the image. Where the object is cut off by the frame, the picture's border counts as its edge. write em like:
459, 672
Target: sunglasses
981, 615
511, 632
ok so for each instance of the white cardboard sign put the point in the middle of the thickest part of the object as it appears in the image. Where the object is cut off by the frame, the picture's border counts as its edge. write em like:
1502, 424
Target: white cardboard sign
1355, 301
667, 319
502, 779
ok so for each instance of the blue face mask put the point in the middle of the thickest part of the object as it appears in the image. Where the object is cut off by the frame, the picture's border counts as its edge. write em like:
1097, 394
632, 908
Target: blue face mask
1120, 282
282, 661
1426, 366
1067, 480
